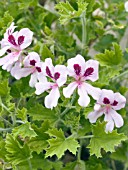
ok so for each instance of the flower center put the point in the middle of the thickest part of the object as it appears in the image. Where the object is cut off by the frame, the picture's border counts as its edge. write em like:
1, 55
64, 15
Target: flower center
89, 72
20, 40
77, 69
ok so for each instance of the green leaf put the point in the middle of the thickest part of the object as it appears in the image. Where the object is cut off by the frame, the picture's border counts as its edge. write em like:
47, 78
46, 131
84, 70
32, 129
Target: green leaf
67, 12
22, 114
46, 53
59, 144
76, 165
104, 140
24, 130
42, 113
4, 88
16, 153
110, 58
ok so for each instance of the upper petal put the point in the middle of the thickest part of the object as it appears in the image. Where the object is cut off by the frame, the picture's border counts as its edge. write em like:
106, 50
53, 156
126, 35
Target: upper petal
117, 118
119, 101
76, 60
68, 91
95, 92
27, 34
91, 71
84, 99
51, 100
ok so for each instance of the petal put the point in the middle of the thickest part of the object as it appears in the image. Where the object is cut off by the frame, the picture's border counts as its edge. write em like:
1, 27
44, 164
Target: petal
84, 99
42, 87
27, 37
42, 78
3, 50
93, 64
51, 100
33, 79
62, 70
106, 94
93, 91
68, 91
121, 101
126, 6
110, 122
76, 60
93, 116
97, 107
48, 63
117, 118
5, 59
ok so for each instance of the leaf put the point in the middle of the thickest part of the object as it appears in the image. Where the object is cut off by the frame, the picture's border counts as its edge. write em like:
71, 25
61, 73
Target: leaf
16, 153
22, 114
110, 58
104, 140
24, 130
59, 144
46, 53
4, 88
67, 12
76, 165
42, 113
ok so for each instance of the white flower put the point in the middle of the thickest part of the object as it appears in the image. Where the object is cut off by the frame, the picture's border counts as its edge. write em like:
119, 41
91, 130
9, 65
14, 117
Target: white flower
107, 103
82, 71
13, 43
126, 6
58, 75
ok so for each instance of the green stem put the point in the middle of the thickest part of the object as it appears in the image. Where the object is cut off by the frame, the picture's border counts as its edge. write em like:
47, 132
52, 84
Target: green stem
85, 137
29, 163
83, 21
79, 151
71, 103
122, 74
5, 130
6, 121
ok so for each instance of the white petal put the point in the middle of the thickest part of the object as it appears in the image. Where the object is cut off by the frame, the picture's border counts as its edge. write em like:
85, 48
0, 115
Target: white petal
121, 101
27, 37
126, 6
84, 99
5, 59
63, 74
48, 63
51, 100
33, 79
95, 74
76, 60
3, 50
93, 91
97, 107
106, 94
41, 87
110, 122
117, 118
93, 116
41, 77
68, 91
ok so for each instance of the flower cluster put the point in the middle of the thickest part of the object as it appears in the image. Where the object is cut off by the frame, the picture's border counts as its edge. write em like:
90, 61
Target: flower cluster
46, 77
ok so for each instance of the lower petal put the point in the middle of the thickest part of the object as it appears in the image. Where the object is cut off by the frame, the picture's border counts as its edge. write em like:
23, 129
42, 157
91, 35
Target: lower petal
33, 80
93, 116
118, 120
3, 50
4, 60
68, 91
84, 99
110, 122
41, 87
51, 100
93, 91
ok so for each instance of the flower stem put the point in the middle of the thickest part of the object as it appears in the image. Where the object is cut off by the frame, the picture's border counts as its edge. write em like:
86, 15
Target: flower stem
122, 74
71, 103
79, 151
29, 163
85, 137
83, 21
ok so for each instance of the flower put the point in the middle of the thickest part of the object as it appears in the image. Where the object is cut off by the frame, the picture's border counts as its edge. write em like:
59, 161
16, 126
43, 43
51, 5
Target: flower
58, 75
81, 72
31, 65
126, 6
13, 43
107, 104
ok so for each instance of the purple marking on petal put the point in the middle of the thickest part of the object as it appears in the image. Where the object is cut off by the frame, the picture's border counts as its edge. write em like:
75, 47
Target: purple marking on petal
38, 69
89, 71
48, 72
20, 40
115, 103
56, 75
32, 62
106, 101
77, 69
11, 39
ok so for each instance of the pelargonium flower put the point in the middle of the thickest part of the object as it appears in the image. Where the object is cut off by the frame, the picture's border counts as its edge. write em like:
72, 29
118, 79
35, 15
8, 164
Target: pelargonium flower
13, 43
82, 71
31, 65
58, 75
107, 104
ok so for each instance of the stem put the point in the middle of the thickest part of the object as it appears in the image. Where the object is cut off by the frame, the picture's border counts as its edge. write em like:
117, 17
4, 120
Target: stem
6, 121
113, 164
122, 74
71, 103
85, 137
79, 151
5, 130
83, 21
29, 163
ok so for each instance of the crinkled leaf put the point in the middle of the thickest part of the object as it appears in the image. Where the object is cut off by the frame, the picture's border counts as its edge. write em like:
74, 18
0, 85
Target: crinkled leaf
22, 114
76, 165
59, 144
15, 152
24, 130
104, 140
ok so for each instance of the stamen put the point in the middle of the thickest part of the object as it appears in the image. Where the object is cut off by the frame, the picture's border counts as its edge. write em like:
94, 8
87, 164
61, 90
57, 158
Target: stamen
89, 72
